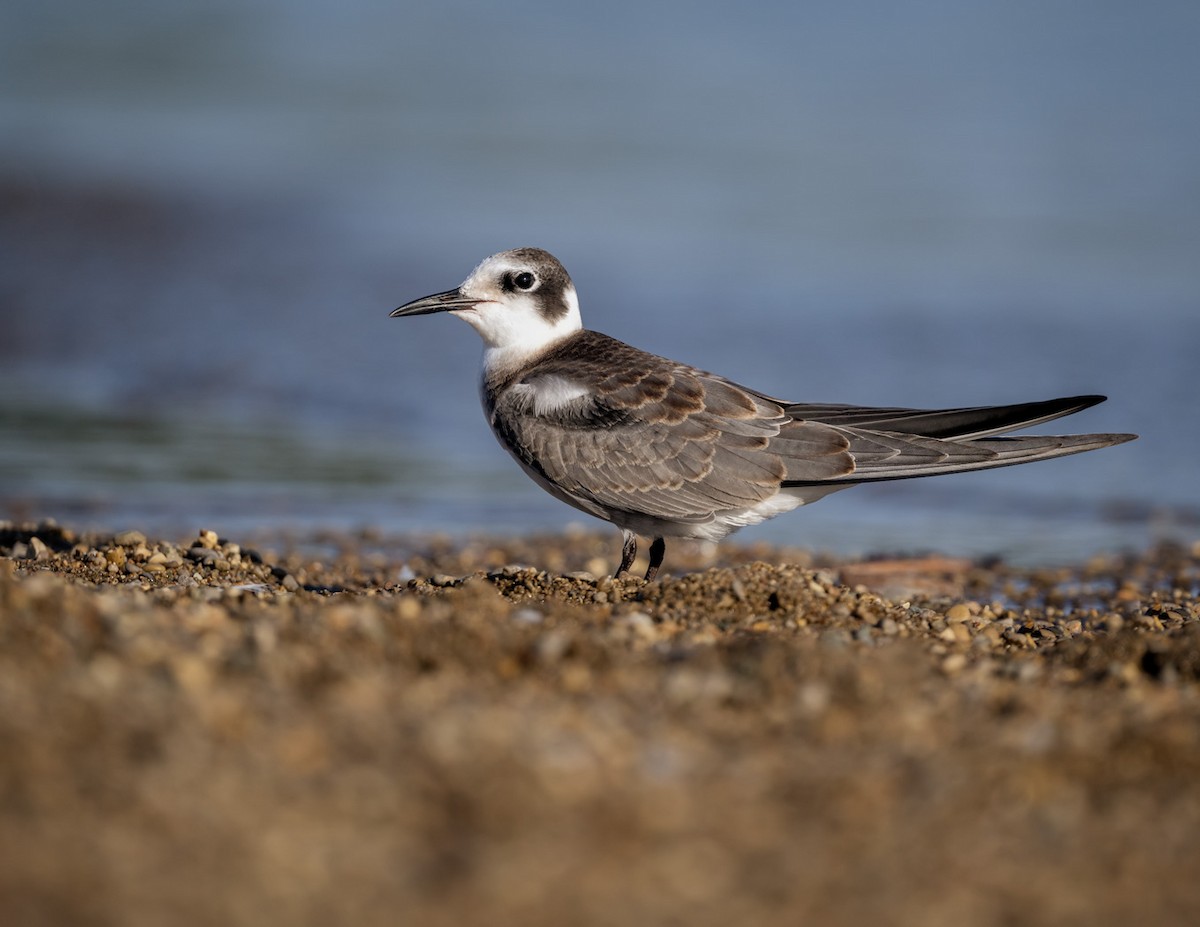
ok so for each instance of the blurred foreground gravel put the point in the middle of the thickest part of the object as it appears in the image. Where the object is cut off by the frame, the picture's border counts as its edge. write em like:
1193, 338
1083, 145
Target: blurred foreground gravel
364, 730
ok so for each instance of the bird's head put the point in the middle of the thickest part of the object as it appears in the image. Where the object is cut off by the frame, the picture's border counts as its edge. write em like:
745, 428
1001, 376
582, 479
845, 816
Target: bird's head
519, 301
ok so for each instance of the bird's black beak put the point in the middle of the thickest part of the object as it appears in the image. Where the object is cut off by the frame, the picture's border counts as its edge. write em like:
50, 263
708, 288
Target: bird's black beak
438, 302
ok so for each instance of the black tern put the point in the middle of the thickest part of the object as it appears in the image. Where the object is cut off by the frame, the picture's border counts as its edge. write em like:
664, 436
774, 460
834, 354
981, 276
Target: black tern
662, 449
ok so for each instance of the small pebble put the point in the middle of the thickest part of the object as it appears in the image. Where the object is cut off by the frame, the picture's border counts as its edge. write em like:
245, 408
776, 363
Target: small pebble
528, 616
959, 612
552, 647
641, 624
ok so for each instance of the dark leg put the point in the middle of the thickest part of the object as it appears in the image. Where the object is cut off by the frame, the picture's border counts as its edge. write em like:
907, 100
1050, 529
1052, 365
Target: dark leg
628, 552
658, 549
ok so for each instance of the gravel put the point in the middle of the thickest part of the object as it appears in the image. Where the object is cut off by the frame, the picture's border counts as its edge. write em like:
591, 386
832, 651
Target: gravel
370, 730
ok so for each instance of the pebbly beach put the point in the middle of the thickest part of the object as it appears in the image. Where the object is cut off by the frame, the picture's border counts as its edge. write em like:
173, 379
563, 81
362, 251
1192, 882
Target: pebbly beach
356, 728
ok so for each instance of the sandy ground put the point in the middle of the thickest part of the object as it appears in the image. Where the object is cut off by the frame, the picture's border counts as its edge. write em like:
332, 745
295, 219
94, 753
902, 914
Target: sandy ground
367, 731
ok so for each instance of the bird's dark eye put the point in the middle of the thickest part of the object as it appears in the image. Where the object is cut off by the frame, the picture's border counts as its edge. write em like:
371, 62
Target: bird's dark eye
524, 280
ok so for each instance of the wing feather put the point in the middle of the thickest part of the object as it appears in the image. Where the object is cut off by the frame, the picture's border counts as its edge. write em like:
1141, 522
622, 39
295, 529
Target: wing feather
619, 431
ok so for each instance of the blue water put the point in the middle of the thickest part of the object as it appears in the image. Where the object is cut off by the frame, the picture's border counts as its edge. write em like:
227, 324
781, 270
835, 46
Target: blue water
207, 210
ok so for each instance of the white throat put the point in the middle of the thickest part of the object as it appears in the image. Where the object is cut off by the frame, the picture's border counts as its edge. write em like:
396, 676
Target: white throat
514, 330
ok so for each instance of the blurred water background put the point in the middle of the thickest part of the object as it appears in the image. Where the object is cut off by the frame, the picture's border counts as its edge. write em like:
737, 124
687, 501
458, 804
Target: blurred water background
207, 210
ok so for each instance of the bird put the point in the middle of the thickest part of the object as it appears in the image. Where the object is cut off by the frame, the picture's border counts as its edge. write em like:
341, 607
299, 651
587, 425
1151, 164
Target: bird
663, 449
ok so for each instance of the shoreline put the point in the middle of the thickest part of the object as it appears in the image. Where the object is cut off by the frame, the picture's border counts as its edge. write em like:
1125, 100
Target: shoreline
486, 731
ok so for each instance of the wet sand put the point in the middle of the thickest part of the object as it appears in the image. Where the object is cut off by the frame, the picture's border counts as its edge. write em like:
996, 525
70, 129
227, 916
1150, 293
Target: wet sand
354, 729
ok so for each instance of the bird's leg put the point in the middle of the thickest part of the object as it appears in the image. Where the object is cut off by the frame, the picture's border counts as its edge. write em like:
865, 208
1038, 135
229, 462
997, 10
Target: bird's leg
658, 549
628, 552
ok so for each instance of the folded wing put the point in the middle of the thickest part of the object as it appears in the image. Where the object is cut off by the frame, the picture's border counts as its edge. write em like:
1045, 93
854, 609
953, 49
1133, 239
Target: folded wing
618, 430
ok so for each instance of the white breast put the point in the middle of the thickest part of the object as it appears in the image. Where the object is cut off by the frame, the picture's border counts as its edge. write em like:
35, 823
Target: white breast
551, 392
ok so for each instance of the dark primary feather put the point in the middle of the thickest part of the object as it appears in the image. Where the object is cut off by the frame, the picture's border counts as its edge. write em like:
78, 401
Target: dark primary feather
977, 422
657, 438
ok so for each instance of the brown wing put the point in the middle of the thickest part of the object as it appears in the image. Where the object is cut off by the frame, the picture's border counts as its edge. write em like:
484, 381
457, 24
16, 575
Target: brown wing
653, 437
657, 438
